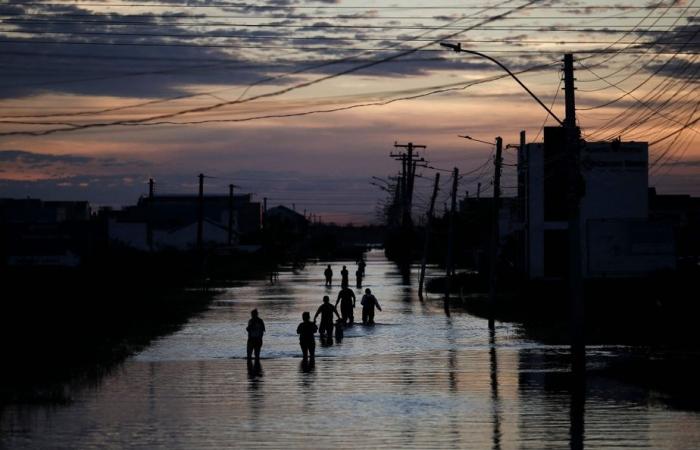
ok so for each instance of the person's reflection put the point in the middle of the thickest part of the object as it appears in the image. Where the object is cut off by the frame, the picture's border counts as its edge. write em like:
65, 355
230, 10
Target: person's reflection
494, 390
405, 270
307, 366
255, 372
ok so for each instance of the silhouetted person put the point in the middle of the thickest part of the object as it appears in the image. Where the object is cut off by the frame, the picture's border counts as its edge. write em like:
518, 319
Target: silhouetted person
306, 331
339, 330
255, 329
344, 277
358, 277
361, 266
346, 297
368, 303
326, 310
329, 275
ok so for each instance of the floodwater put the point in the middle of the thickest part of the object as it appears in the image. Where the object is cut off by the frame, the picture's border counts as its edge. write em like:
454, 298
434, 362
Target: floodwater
417, 379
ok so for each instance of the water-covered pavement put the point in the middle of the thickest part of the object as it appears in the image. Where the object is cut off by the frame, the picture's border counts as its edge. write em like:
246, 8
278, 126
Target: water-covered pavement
417, 379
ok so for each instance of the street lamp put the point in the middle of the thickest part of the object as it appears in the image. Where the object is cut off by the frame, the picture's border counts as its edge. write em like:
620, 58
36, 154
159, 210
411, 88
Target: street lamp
475, 139
458, 48
576, 186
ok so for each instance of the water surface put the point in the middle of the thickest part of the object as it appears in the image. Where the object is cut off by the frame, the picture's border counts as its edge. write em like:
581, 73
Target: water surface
417, 379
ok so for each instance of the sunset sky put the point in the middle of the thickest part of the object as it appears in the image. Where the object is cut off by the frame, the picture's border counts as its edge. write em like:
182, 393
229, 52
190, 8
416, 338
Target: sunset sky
98, 96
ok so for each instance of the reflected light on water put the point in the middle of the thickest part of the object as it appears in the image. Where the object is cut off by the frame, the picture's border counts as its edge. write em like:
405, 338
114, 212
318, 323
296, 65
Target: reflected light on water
418, 379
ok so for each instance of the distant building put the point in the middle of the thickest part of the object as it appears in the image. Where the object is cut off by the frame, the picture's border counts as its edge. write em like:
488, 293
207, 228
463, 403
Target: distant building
171, 221
682, 212
618, 237
287, 219
34, 211
45, 233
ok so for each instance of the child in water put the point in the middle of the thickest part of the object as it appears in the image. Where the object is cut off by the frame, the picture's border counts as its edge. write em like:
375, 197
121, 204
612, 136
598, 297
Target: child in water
339, 325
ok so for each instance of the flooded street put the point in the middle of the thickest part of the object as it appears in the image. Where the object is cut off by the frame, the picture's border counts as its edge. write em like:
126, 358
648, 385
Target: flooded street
417, 379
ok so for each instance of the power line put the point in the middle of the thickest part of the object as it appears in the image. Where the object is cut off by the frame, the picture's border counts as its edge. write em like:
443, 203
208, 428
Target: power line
253, 6
326, 38
274, 93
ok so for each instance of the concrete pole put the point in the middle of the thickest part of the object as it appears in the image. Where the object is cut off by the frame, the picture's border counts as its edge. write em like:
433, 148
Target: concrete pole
575, 192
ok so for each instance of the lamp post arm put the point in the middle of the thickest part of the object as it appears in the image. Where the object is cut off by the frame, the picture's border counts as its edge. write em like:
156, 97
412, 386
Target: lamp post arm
458, 48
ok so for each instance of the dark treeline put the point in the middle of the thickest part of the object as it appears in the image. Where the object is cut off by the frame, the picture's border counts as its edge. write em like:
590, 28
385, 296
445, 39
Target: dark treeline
63, 325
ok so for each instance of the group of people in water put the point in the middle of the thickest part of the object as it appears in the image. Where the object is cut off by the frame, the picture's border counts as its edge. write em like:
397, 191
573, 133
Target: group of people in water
307, 329
345, 275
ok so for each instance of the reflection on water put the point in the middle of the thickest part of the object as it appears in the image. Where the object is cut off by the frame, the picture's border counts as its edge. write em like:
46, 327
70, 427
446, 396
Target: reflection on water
417, 379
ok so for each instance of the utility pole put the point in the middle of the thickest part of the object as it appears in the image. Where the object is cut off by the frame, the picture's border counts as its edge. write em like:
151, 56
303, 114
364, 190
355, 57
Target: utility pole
230, 214
495, 232
200, 213
264, 211
575, 192
149, 224
449, 266
523, 200
426, 243
409, 163
478, 190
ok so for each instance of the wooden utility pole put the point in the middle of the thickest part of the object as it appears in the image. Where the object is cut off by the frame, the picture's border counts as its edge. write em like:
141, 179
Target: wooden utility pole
478, 190
495, 232
409, 163
149, 223
449, 266
426, 242
264, 212
575, 192
230, 214
200, 213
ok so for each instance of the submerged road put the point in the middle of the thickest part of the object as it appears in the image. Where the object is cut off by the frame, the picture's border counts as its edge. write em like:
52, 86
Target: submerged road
417, 379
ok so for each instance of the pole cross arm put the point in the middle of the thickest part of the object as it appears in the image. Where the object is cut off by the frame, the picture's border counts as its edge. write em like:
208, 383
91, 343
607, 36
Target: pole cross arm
458, 48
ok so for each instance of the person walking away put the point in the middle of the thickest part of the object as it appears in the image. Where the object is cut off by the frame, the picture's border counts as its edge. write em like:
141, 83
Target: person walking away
368, 303
329, 275
358, 277
344, 274
346, 297
306, 331
361, 266
255, 329
326, 310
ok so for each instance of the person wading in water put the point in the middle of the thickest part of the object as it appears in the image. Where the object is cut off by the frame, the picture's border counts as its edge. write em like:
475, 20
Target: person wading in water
346, 297
329, 275
326, 310
255, 329
307, 340
368, 303
344, 277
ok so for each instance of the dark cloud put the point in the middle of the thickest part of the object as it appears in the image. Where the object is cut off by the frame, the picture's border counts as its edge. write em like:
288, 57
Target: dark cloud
15, 160
692, 163
103, 190
177, 50
40, 159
